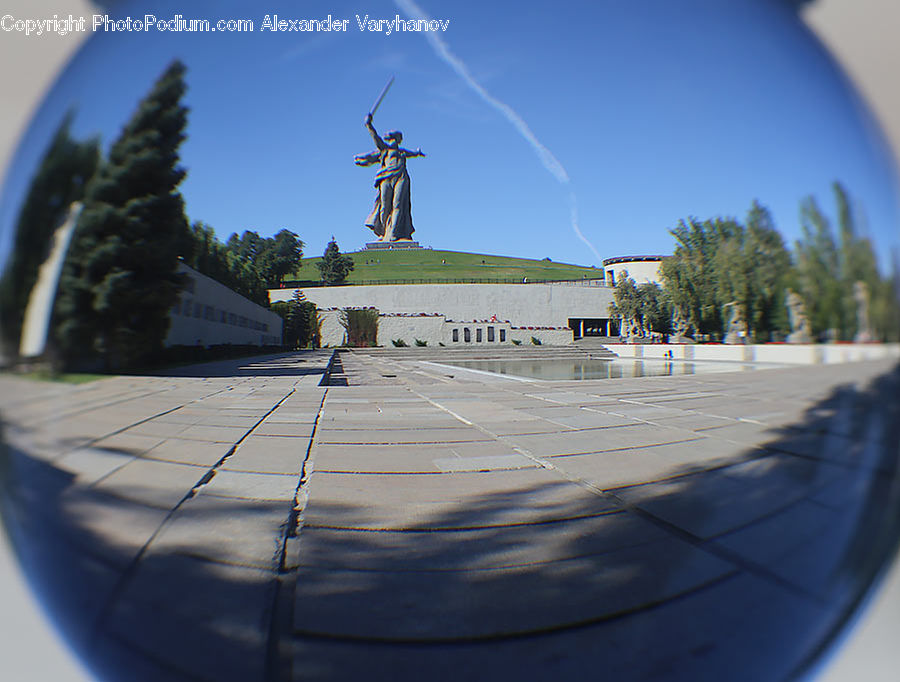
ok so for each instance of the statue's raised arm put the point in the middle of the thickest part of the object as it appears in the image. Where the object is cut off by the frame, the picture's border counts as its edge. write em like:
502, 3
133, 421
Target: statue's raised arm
381, 144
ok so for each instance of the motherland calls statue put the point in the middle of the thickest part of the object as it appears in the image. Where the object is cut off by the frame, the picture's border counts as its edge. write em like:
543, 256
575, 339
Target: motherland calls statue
864, 333
800, 330
391, 217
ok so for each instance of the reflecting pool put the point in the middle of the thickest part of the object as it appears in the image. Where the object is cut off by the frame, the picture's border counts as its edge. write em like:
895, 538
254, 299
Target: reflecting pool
569, 369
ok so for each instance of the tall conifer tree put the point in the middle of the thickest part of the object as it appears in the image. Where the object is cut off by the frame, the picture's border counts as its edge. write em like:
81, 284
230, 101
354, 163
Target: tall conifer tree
334, 265
120, 277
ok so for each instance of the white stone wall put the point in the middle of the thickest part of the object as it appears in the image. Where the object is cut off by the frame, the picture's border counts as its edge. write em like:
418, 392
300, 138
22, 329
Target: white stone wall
208, 313
547, 337
640, 271
409, 328
537, 305
436, 330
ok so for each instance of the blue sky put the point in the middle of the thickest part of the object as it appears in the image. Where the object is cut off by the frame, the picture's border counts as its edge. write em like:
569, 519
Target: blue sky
656, 110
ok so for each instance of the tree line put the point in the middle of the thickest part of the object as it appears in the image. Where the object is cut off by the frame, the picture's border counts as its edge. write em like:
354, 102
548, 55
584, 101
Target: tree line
721, 261
119, 280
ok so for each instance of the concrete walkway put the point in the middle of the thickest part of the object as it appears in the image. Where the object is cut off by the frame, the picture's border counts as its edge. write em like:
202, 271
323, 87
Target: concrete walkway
240, 521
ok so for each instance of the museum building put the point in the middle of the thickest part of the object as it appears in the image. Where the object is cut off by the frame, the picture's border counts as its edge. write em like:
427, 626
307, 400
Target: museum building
552, 313
208, 313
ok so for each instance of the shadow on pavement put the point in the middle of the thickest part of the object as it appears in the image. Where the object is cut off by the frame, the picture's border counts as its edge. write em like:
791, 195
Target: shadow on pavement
298, 363
743, 572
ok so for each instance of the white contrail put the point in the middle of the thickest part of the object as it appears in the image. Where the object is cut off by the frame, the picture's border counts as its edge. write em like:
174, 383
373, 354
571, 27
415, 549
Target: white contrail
550, 162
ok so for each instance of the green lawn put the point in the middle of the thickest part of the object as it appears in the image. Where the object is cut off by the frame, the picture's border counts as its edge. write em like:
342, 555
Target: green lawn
425, 265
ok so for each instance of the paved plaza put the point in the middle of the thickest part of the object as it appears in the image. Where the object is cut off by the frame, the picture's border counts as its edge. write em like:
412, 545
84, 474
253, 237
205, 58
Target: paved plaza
408, 520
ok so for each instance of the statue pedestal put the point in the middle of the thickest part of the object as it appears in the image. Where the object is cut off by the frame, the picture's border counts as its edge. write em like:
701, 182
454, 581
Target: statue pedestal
387, 246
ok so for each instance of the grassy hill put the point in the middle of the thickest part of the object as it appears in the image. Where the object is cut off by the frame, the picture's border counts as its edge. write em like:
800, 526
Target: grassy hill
426, 265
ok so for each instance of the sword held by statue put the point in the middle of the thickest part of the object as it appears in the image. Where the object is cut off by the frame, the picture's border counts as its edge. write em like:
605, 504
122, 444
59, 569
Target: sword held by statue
381, 97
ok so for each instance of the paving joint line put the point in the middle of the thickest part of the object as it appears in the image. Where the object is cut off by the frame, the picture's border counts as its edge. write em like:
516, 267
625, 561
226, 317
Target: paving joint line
301, 492
131, 567
279, 655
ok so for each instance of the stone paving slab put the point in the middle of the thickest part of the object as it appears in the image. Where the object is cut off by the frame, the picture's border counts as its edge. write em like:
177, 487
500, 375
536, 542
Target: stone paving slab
484, 463
288, 415
459, 434
777, 540
115, 528
524, 426
275, 429
213, 434
90, 464
252, 486
645, 412
825, 565
446, 605
158, 429
681, 638
195, 452
607, 470
86, 424
578, 418
402, 459
457, 500
269, 455
130, 443
152, 483
579, 397
599, 440
474, 549
334, 420
695, 422
699, 576
848, 486
217, 420
226, 530
703, 504
746, 432
190, 630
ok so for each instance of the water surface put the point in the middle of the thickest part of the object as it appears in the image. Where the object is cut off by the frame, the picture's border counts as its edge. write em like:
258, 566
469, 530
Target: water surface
568, 369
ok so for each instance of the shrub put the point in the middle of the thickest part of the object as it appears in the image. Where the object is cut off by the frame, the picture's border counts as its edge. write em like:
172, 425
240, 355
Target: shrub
421, 343
399, 343
516, 342
536, 341
361, 325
